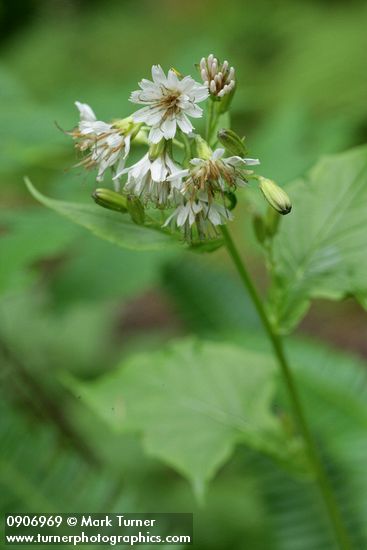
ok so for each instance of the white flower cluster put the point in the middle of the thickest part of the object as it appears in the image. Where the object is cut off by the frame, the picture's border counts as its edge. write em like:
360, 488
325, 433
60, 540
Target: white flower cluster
180, 170
218, 77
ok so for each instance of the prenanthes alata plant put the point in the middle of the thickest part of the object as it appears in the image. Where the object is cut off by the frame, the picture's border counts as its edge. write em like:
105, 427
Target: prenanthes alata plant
189, 176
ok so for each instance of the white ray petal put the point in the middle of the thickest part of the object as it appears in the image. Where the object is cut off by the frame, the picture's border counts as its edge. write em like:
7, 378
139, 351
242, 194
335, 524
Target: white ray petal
86, 112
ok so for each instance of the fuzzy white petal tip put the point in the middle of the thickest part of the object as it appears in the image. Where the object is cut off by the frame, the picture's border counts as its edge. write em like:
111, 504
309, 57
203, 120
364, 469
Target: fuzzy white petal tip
86, 112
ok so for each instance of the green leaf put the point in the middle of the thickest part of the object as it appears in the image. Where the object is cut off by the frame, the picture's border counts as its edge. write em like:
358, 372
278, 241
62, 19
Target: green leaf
192, 403
27, 236
86, 329
320, 250
87, 276
109, 225
206, 246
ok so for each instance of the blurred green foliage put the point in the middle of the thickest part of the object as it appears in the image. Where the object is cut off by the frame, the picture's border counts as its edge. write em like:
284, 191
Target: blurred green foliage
74, 306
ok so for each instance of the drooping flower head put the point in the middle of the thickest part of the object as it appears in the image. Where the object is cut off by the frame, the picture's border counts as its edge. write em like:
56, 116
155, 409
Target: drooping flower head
195, 216
104, 145
169, 101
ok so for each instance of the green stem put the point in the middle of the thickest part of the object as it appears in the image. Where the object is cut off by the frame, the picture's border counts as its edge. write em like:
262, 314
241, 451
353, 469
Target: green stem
336, 520
187, 147
209, 118
211, 121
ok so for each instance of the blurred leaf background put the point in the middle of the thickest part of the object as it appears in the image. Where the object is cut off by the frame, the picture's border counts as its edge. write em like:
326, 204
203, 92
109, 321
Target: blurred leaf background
72, 306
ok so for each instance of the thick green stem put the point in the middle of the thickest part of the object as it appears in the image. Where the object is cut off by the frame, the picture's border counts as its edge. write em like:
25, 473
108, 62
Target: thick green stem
331, 506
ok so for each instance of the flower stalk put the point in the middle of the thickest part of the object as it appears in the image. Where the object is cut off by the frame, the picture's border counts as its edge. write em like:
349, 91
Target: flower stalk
331, 506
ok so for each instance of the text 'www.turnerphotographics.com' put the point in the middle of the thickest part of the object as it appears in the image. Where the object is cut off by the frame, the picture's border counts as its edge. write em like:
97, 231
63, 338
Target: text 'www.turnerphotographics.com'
100, 529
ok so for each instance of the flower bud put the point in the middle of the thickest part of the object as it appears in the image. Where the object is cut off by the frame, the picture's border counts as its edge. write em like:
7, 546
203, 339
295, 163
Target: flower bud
202, 148
136, 210
275, 195
232, 142
110, 199
219, 77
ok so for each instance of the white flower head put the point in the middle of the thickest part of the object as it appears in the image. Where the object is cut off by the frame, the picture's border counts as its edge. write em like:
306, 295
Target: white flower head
153, 180
204, 181
169, 101
216, 174
107, 145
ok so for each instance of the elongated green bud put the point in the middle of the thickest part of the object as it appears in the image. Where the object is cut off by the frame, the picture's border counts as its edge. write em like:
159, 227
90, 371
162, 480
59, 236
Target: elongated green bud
275, 195
110, 199
232, 142
136, 210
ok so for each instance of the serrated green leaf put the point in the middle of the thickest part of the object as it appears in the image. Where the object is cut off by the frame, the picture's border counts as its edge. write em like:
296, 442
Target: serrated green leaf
192, 403
320, 250
109, 225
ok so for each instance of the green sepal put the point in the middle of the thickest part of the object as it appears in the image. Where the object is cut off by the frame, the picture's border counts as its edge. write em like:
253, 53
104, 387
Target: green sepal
136, 210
